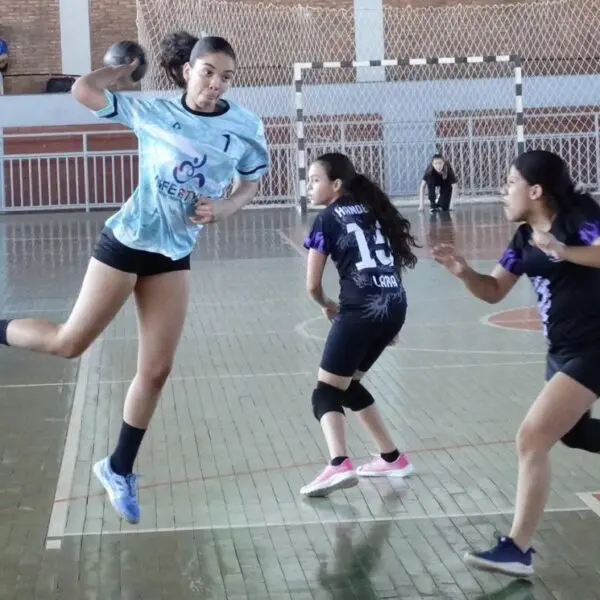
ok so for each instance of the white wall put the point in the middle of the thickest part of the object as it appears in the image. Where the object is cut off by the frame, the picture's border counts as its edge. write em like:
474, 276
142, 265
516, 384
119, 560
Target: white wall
396, 101
369, 38
411, 101
75, 42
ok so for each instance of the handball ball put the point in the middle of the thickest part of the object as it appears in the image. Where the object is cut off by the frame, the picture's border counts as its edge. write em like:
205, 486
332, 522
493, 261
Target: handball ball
123, 53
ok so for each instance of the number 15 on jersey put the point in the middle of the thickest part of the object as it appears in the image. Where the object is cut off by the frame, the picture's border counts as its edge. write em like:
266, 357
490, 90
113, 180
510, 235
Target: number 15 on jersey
375, 255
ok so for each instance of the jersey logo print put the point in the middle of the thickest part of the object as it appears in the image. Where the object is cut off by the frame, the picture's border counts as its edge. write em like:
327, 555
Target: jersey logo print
541, 286
188, 170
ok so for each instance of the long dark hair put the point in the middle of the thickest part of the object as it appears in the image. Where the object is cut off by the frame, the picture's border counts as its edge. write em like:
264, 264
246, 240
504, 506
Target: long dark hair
395, 228
551, 173
180, 47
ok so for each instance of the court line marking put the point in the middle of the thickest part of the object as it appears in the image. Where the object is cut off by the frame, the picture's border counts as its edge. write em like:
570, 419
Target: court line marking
64, 484
226, 303
9, 386
56, 543
301, 329
195, 335
24, 311
292, 244
280, 374
591, 501
313, 373
303, 299
171, 482
308, 523
259, 332
485, 320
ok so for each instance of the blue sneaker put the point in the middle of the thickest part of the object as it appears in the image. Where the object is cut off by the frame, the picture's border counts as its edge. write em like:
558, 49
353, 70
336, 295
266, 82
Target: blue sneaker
121, 490
506, 557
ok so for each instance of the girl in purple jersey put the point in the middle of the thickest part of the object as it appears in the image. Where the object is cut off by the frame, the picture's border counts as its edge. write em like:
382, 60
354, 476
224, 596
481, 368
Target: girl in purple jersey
370, 244
558, 248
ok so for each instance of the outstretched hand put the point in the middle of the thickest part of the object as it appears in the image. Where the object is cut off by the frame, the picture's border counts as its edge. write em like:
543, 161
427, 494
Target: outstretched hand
548, 244
446, 255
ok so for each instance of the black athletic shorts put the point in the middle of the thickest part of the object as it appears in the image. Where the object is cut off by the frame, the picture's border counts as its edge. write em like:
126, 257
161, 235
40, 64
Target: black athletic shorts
354, 343
111, 252
583, 367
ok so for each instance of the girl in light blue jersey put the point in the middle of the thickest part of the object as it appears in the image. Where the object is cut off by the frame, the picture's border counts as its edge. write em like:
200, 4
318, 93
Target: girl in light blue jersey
190, 149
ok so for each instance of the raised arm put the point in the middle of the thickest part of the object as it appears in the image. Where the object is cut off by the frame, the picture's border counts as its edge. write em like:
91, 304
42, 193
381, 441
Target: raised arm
89, 89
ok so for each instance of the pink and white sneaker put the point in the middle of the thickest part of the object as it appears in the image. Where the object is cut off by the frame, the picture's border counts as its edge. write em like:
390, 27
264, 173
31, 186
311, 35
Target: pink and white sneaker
401, 467
331, 479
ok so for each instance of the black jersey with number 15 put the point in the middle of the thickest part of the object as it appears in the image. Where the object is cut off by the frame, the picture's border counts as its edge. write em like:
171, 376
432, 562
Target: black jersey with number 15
370, 283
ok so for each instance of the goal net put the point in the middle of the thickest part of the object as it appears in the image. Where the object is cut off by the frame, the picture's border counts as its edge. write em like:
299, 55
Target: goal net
391, 119
392, 116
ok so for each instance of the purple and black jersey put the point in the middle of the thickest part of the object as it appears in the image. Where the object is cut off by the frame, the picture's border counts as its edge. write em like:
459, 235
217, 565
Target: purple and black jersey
370, 283
568, 295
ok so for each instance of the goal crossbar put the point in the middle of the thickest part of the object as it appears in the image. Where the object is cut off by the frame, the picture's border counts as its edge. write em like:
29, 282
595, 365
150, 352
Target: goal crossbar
300, 68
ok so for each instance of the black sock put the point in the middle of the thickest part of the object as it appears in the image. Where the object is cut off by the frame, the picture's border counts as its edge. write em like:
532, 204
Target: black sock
130, 440
390, 456
338, 460
3, 327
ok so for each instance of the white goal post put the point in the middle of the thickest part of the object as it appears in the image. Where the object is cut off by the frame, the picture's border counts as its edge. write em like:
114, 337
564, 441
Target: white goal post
390, 116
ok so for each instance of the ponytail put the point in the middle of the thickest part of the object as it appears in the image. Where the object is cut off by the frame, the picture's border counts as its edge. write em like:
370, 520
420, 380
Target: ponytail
395, 228
582, 202
571, 199
175, 51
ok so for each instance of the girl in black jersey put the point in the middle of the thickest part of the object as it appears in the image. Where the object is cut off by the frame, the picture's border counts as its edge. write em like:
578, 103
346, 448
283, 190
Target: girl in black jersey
370, 243
438, 175
558, 248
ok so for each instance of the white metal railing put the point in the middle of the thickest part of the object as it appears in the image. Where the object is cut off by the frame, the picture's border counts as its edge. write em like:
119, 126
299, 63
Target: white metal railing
67, 170
99, 169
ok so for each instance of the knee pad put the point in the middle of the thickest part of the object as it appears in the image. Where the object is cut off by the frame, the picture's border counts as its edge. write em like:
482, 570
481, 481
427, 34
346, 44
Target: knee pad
358, 397
327, 398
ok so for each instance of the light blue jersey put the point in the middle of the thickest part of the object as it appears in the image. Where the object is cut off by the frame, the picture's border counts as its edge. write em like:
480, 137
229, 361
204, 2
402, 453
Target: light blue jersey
184, 155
